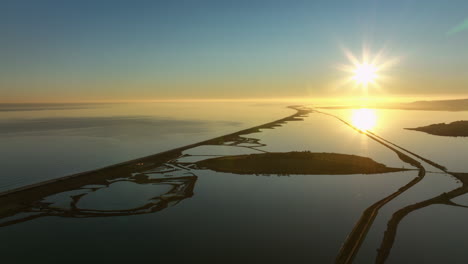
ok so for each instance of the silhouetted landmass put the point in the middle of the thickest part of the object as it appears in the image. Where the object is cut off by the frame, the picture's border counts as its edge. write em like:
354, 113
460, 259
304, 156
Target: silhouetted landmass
296, 163
354, 240
437, 105
444, 198
442, 105
29, 199
454, 129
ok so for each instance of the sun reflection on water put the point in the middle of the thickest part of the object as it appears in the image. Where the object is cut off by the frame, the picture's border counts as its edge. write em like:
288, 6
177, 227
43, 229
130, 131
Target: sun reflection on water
364, 119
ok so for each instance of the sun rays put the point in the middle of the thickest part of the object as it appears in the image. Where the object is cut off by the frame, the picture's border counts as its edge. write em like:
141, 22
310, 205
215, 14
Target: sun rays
368, 70
365, 74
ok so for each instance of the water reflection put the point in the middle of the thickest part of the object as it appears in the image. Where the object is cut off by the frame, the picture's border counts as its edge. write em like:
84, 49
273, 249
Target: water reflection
357, 235
67, 204
72, 138
364, 119
157, 182
65, 197
443, 199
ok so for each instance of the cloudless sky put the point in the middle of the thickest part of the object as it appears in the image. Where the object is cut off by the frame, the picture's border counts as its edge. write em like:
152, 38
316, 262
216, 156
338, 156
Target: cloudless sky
118, 50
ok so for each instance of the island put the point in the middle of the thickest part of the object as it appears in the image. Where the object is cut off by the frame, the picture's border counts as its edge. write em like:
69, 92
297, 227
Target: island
454, 129
286, 163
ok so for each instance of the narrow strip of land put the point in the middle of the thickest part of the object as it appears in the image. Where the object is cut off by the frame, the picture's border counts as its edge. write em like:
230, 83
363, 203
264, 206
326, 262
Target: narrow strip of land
16, 200
355, 239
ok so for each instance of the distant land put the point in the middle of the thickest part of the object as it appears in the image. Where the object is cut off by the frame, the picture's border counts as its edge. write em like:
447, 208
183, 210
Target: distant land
454, 129
436, 105
295, 163
439, 105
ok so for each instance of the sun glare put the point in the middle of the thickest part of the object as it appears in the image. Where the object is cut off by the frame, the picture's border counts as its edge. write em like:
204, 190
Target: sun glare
364, 119
367, 70
365, 73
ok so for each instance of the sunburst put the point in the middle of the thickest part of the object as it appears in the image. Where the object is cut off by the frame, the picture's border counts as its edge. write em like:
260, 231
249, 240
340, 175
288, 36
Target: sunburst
368, 70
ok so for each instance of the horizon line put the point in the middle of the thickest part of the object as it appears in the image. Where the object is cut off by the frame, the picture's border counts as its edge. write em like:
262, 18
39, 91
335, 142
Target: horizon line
349, 99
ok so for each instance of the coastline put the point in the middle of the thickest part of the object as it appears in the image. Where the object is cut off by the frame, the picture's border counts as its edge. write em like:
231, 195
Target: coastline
14, 199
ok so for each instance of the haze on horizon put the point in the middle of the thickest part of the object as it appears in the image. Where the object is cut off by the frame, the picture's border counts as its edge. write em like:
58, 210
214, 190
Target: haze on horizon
143, 50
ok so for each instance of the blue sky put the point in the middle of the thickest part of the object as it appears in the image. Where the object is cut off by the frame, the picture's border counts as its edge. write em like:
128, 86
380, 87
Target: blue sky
118, 50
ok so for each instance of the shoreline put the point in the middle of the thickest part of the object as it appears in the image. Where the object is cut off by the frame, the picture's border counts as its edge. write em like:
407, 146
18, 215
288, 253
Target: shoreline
20, 197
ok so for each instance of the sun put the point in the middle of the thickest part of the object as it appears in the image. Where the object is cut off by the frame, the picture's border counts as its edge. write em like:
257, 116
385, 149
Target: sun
365, 73
368, 70
364, 119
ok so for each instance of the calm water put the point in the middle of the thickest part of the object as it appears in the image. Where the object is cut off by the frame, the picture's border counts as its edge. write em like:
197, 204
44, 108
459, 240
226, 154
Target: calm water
448, 151
179, 213
42, 142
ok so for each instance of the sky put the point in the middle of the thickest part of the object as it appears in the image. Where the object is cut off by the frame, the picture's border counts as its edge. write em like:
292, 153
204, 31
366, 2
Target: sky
154, 50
